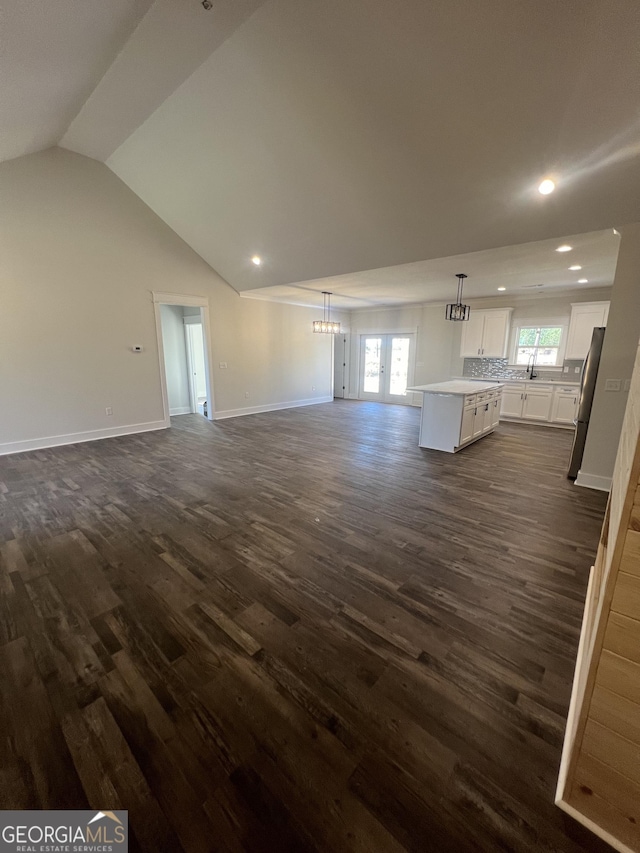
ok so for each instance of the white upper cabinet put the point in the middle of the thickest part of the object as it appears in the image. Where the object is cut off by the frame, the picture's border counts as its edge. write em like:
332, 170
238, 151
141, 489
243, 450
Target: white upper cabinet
485, 333
496, 333
472, 332
585, 316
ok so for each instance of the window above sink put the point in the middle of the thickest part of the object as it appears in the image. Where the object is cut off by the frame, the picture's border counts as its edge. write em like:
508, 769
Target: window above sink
545, 343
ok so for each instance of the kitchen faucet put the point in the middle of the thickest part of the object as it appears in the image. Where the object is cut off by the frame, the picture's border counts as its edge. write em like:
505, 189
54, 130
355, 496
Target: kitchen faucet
531, 365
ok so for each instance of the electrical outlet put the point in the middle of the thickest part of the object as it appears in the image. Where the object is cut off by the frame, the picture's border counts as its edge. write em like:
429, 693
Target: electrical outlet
246, 394
576, 370
223, 365
565, 369
613, 385
313, 387
109, 410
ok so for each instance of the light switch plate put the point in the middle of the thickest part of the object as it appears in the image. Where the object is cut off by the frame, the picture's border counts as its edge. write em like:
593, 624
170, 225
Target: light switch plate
223, 365
613, 385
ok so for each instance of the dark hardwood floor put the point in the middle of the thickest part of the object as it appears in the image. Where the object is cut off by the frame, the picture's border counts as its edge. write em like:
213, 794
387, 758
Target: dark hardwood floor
295, 631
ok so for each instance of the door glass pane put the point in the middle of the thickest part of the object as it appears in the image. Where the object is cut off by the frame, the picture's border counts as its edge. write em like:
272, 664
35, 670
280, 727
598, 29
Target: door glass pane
399, 366
372, 353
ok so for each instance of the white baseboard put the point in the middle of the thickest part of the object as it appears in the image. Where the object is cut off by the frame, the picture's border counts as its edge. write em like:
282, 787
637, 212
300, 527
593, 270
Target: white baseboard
593, 481
270, 407
531, 422
77, 437
180, 410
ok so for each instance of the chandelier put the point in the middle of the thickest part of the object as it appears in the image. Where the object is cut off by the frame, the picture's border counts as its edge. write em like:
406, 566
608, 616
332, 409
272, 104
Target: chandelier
326, 326
456, 310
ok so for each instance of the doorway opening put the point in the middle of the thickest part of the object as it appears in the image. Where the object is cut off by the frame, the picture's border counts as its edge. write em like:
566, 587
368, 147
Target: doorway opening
386, 367
183, 346
196, 370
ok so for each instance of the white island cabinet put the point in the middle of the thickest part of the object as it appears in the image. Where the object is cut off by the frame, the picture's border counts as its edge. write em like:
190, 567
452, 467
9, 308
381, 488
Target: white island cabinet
457, 412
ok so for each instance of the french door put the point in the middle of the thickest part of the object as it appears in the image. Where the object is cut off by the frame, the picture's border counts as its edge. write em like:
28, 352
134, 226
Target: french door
386, 367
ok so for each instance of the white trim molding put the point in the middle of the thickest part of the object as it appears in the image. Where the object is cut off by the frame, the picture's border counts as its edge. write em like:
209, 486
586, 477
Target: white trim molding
77, 437
593, 481
270, 407
179, 299
180, 410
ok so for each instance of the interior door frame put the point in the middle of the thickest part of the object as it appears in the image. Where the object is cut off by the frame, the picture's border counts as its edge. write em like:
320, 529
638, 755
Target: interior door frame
190, 301
374, 333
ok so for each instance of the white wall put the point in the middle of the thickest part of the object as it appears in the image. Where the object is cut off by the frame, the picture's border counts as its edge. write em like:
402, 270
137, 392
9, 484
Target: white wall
175, 358
80, 255
434, 337
618, 356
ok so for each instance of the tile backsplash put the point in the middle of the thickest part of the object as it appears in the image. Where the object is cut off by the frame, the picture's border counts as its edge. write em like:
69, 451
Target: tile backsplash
499, 368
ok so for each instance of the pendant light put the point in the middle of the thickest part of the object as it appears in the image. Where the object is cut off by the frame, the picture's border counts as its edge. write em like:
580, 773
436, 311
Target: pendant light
456, 310
326, 326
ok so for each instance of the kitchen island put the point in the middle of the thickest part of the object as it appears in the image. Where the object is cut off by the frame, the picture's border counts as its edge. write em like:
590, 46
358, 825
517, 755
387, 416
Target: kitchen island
458, 412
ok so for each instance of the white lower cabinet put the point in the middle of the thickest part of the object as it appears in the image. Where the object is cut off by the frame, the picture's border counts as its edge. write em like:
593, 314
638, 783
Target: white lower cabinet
495, 412
512, 400
565, 405
468, 420
537, 404
478, 421
551, 404
487, 420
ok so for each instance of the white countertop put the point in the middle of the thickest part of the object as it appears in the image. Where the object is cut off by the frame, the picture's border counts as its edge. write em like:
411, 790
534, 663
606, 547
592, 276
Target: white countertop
542, 381
528, 381
457, 386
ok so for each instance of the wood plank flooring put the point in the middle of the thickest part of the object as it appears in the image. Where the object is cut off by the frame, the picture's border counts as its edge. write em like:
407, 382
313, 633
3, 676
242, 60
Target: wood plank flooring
295, 631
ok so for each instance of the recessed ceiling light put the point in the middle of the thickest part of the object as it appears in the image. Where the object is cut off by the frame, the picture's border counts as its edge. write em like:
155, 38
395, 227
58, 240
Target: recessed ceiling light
257, 260
502, 288
575, 267
547, 186
564, 248
583, 280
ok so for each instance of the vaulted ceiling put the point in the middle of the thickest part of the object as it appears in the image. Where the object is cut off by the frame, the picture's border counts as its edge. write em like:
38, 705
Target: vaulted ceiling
334, 137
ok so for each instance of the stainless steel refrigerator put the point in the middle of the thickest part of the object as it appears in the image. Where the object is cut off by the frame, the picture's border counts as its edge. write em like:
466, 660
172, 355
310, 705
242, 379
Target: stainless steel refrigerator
587, 388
